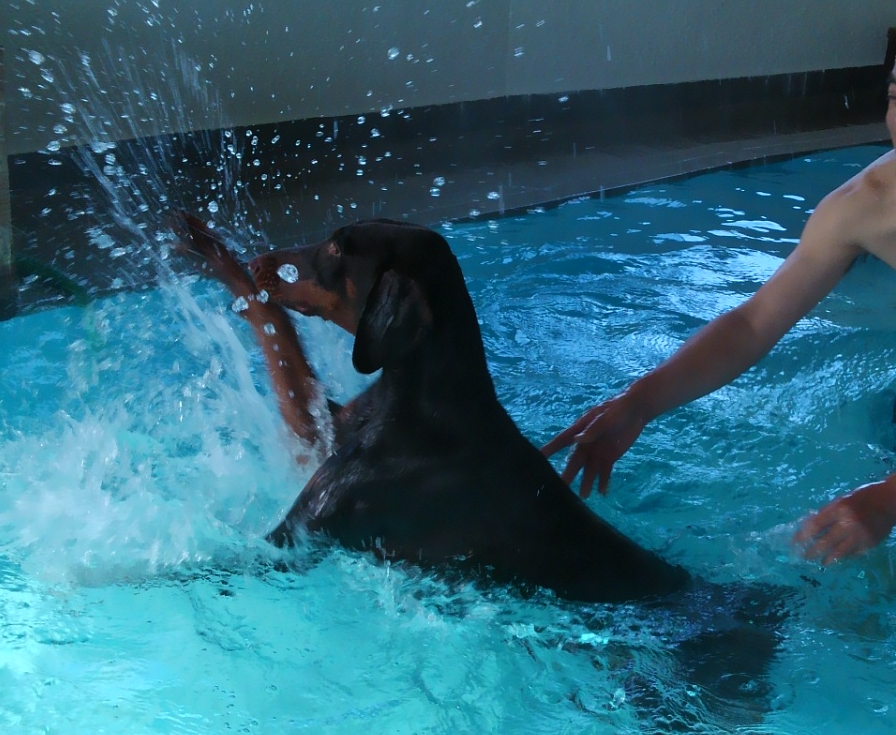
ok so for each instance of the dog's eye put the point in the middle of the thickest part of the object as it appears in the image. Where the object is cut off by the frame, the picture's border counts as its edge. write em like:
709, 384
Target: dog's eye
329, 265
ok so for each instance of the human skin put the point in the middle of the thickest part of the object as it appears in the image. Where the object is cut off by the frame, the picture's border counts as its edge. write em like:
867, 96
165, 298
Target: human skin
858, 217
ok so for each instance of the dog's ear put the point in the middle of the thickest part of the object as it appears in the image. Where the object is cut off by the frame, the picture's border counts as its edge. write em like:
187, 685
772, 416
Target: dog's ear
395, 318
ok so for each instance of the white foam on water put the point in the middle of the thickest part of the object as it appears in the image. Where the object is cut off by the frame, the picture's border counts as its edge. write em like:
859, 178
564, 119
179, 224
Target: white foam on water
167, 447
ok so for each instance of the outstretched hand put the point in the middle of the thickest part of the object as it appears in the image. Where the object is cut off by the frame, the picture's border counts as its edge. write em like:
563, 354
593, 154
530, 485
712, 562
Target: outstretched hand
601, 436
194, 239
849, 525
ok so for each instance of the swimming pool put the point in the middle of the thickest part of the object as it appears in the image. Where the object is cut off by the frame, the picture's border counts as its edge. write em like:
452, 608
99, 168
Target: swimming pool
139, 476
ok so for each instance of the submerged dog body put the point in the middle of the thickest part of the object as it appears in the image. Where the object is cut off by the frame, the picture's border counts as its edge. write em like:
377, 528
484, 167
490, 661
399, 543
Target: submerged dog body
428, 467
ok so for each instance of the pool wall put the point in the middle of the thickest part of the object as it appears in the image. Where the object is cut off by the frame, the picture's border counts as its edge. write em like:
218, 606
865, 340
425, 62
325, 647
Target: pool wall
426, 112
6, 279
347, 58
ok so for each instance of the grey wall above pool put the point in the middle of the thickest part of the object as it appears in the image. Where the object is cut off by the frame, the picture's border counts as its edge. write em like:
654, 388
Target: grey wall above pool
269, 61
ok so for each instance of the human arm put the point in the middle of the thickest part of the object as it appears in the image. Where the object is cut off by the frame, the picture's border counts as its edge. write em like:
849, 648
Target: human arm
850, 524
718, 353
292, 378
712, 357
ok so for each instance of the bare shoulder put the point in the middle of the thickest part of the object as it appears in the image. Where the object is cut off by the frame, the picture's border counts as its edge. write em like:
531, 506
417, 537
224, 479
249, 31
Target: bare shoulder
861, 213
857, 217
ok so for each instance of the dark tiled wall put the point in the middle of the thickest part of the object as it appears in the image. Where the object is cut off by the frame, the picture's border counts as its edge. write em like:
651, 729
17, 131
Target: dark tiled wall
297, 180
6, 280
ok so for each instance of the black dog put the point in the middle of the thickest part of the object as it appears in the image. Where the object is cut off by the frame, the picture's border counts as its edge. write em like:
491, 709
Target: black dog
429, 467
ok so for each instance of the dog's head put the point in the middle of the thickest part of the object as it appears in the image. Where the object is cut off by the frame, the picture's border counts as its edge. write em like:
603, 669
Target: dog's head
386, 282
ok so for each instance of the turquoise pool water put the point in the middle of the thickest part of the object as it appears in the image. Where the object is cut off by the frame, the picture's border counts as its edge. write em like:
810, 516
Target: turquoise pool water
142, 459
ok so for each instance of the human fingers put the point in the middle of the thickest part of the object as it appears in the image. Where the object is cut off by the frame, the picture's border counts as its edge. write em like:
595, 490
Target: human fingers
561, 440
575, 463
588, 477
831, 535
843, 547
604, 477
566, 437
812, 527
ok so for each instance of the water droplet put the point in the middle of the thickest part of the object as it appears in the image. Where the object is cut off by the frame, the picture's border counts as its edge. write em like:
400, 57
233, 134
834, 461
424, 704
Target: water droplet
362, 120
262, 297
618, 698
117, 252
100, 239
393, 53
240, 305
518, 51
99, 147
475, 212
288, 272
60, 129
53, 146
269, 329
439, 181
435, 191
563, 99
212, 207
478, 23
374, 133
493, 195
36, 57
